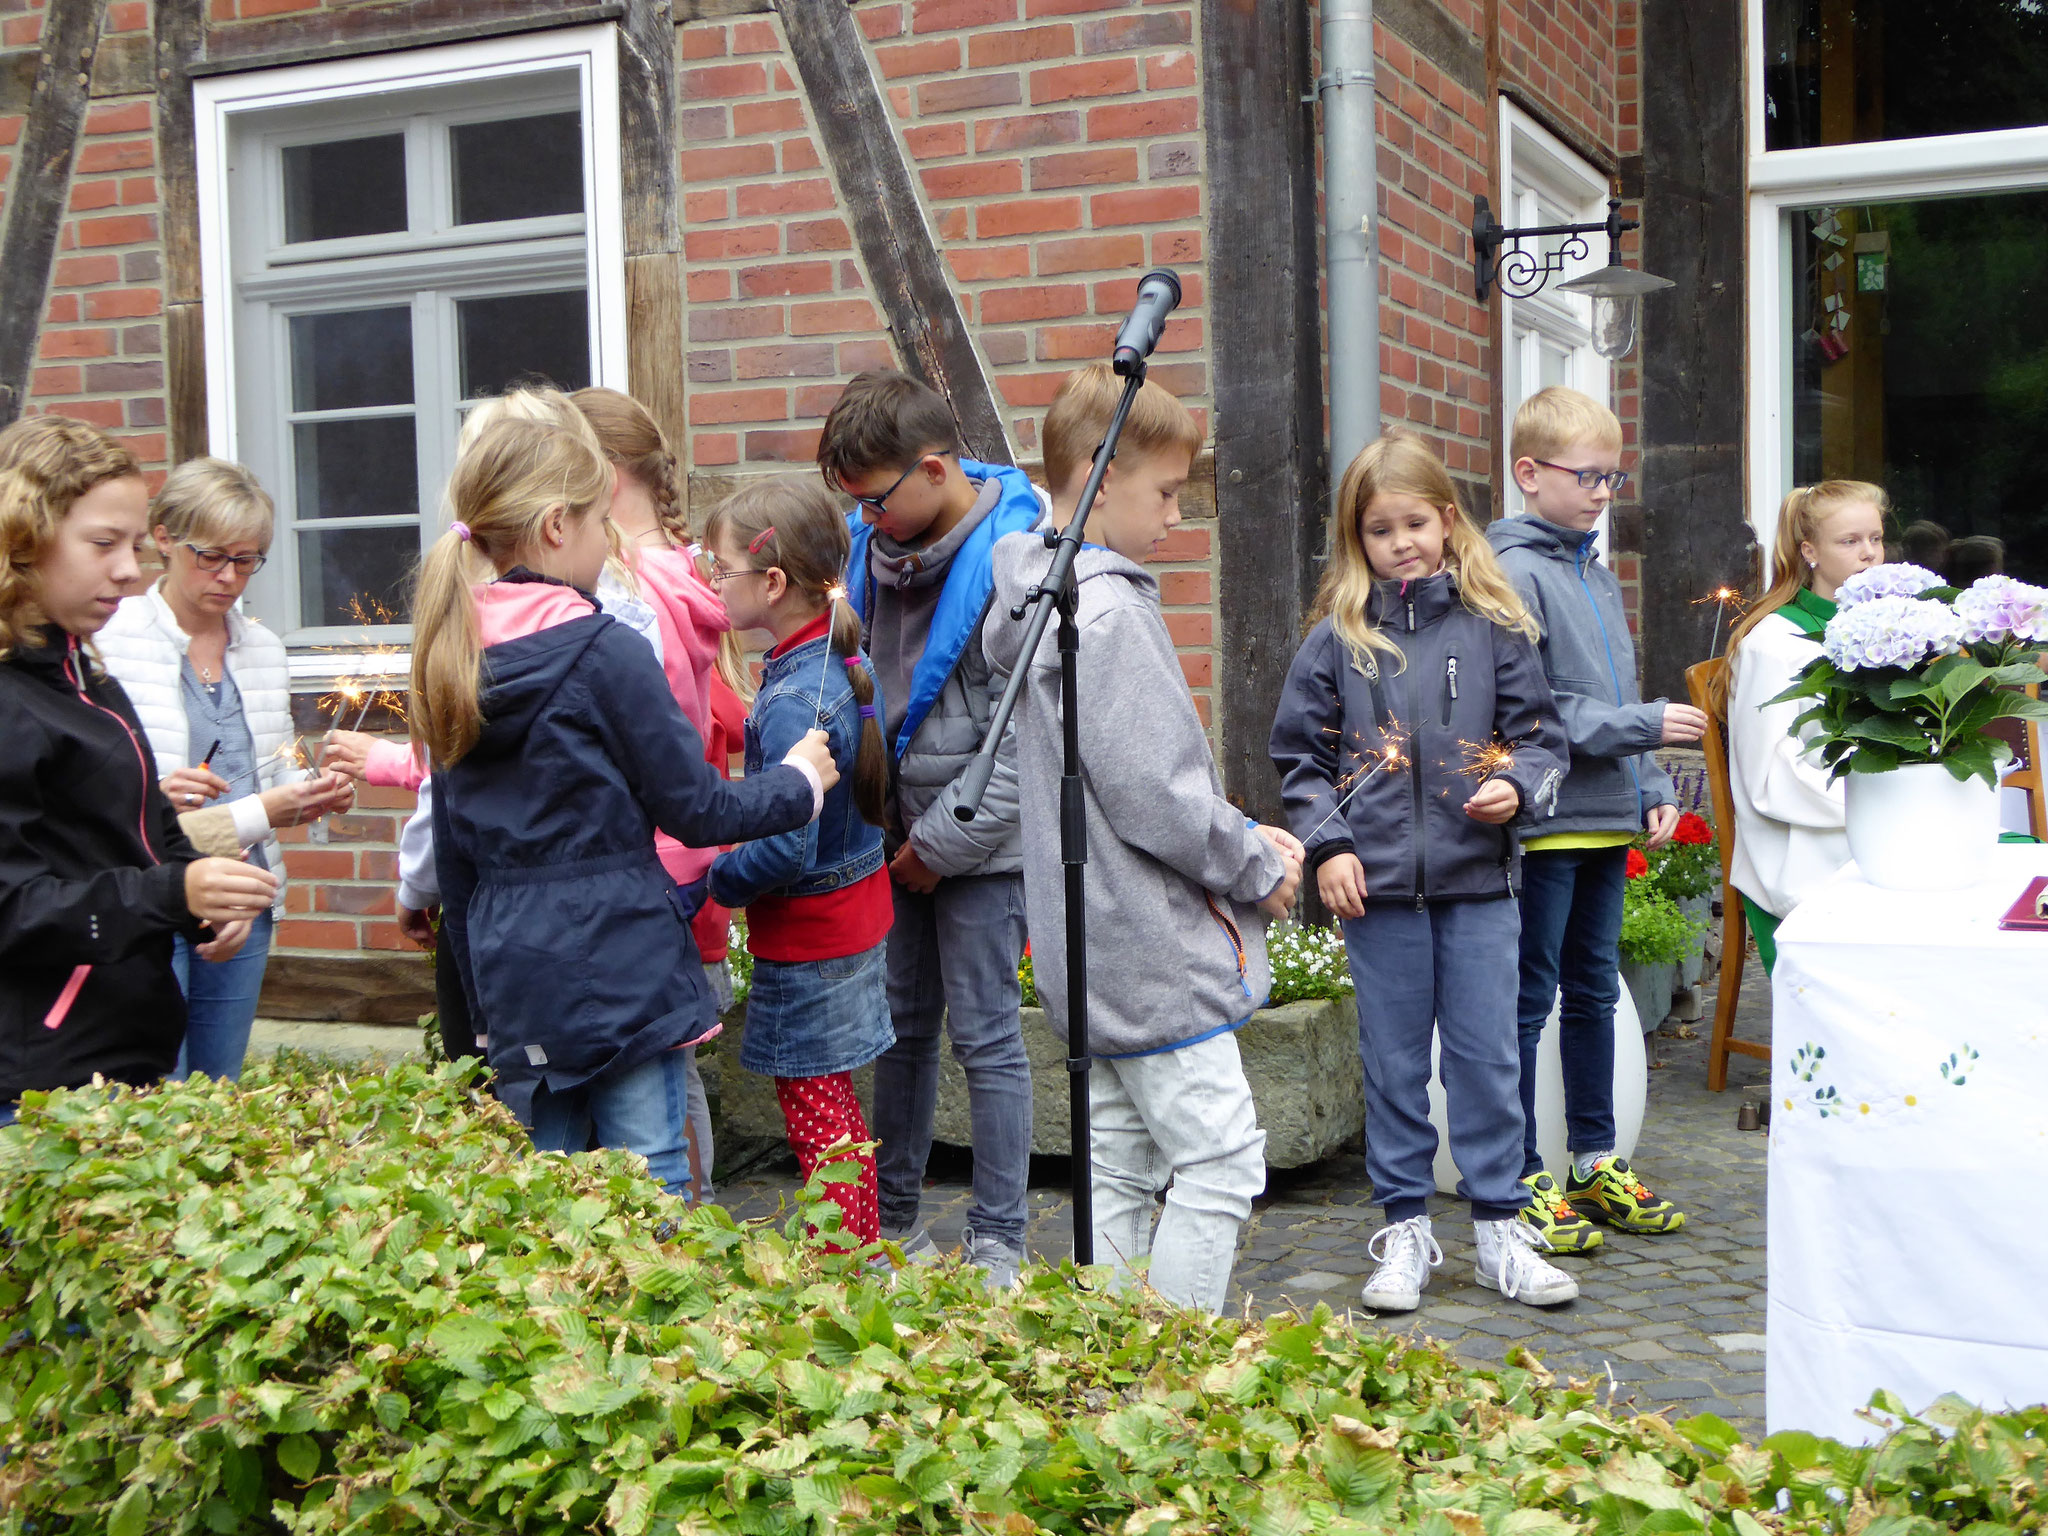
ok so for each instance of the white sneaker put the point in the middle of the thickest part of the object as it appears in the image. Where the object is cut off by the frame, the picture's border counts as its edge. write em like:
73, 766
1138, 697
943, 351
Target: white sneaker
1509, 1263
1407, 1253
994, 1258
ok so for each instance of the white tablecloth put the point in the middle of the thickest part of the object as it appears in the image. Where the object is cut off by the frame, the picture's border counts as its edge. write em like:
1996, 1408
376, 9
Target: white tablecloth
1909, 1152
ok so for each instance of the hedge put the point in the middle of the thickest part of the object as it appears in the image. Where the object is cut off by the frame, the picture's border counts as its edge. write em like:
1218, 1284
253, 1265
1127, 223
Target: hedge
328, 1303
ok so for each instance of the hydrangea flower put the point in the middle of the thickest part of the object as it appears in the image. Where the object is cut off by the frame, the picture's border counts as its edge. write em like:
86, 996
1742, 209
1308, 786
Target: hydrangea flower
1996, 608
1900, 580
1891, 631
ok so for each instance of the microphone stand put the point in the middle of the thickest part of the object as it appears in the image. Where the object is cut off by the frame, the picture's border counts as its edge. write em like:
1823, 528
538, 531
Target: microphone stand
1059, 591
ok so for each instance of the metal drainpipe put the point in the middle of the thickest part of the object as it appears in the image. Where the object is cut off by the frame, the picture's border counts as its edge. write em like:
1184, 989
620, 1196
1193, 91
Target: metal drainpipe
1351, 242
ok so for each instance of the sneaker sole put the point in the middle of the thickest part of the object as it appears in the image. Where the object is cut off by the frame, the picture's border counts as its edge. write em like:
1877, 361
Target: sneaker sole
1532, 1298
1593, 1211
1365, 1300
1584, 1241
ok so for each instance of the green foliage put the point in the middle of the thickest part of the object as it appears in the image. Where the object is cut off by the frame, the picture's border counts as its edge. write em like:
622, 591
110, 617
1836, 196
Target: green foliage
739, 960
1308, 963
326, 1304
1653, 929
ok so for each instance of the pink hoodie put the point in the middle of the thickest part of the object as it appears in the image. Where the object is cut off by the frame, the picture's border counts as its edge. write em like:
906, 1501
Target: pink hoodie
692, 618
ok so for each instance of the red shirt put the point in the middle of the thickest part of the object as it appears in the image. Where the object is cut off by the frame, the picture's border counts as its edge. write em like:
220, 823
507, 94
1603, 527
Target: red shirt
830, 924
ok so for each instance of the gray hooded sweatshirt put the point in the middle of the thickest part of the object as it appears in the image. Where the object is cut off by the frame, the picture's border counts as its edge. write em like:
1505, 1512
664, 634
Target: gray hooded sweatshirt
1177, 946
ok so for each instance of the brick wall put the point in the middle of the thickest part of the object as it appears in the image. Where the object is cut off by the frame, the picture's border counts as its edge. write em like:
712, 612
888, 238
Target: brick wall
343, 873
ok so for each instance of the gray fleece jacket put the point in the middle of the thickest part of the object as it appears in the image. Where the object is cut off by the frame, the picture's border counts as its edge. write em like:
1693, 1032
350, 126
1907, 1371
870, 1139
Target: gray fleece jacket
1177, 944
1615, 778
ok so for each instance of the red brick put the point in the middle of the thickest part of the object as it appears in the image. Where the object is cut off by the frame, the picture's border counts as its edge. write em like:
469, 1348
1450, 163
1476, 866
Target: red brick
62, 310
316, 933
1003, 306
298, 899
755, 37
88, 195
1170, 71
1095, 253
879, 21
1142, 119
1147, 31
21, 31
1184, 544
137, 190
1183, 589
735, 324
817, 235
714, 448
814, 402
832, 317
798, 445
123, 303
121, 155
859, 356
982, 264
726, 406
716, 80
781, 197
702, 207
969, 93
700, 125
1190, 628
1146, 205
107, 415
1177, 245
1000, 133
146, 448
251, 9
1084, 168
926, 58
98, 343
956, 15
378, 866
703, 43
799, 155
929, 141
387, 936
707, 287
1199, 670
84, 271
727, 161
783, 115
976, 178
1020, 45
786, 277
1202, 708
1033, 8
732, 242
385, 797
1027, 391
128, 117
1102, 77
123, 378
57, 381
1068, 343
1033, 216
1115, 295
810, 360
355, 900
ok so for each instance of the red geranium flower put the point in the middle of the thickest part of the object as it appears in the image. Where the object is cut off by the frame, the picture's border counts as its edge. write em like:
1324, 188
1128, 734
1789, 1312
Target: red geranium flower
1692, 829
1638, 863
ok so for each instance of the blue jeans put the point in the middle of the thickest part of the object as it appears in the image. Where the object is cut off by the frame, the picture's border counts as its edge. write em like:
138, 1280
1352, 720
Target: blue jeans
644, 1109
220, 1004
953, 956
1447, 972
1571, 938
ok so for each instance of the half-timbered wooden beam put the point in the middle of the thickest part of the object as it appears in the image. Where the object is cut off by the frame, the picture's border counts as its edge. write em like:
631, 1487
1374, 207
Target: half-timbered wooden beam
180, 33
301, 37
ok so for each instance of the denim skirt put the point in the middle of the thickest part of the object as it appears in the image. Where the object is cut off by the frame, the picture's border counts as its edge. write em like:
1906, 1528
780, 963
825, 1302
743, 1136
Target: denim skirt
811, 1018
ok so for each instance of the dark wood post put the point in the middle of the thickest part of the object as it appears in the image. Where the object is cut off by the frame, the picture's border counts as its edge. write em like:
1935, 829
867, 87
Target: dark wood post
654, 271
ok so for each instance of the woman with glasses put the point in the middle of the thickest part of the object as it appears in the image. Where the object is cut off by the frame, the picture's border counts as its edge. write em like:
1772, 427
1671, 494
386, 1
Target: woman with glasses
211, 689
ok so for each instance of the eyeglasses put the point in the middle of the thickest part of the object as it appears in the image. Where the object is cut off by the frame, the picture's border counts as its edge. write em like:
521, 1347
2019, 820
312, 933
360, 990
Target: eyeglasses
1590, 479
880, 503
214, 561
720, 575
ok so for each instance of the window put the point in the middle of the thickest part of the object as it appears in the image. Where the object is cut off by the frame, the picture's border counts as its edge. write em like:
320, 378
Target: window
1897, 332
1549, 336
403, 236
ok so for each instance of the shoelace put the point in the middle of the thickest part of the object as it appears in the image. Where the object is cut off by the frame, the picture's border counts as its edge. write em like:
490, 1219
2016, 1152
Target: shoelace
1626, 1177
1509, 1272
1405, 1242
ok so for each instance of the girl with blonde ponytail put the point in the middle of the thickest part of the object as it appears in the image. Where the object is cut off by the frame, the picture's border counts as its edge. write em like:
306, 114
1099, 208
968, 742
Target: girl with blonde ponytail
557, 749
818, 901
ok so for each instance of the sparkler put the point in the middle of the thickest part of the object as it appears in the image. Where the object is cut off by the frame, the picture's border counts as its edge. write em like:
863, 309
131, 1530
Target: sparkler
1484, 759
1722, 598
1392, 760
834, 595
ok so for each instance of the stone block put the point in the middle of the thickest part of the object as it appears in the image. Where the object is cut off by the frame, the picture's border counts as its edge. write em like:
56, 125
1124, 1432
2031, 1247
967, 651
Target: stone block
1301, 1061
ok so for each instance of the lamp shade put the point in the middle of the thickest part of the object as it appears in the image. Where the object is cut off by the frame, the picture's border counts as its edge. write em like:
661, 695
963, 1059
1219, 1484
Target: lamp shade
1617, 293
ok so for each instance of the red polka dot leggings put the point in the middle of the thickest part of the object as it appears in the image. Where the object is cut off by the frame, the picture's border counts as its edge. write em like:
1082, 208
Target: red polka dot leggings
820, 1111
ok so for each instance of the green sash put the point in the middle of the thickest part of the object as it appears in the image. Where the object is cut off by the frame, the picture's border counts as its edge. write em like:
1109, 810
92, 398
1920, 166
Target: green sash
1810, 612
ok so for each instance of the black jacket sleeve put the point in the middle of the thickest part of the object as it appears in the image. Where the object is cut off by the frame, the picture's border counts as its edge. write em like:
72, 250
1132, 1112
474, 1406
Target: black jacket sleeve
1307, 742
1526, 720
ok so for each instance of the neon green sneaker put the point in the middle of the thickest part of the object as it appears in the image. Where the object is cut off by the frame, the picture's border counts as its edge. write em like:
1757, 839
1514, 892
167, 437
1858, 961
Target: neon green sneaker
1551, 1217
1617, 1197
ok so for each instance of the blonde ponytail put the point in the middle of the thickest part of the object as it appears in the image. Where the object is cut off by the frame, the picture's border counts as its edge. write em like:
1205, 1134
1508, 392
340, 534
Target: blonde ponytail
447, 652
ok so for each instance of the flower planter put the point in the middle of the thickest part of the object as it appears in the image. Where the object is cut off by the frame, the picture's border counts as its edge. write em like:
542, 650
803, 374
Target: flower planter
1701, 910
1650, 989
1919, 828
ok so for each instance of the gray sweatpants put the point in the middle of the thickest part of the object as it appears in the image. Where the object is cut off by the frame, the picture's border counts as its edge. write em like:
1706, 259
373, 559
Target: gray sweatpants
1450, 970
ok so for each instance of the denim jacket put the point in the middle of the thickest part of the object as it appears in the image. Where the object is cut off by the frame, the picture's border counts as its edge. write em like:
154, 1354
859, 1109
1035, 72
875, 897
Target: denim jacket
838, 848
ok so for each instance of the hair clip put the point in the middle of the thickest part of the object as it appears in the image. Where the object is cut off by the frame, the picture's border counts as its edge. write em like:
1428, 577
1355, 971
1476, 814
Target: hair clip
754, 544
460, 530
867, 711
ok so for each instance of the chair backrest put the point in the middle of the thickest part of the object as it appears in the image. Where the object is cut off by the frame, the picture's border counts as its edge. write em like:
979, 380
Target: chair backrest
1703, 682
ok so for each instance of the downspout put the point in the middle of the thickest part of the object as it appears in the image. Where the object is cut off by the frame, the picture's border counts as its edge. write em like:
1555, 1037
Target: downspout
1351, 241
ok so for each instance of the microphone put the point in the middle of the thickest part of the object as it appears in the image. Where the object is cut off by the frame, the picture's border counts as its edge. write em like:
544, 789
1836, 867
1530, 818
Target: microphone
1158, 294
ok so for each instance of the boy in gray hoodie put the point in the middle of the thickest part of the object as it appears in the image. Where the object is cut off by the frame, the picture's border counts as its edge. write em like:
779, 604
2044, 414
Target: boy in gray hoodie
1564, 453
1179, 884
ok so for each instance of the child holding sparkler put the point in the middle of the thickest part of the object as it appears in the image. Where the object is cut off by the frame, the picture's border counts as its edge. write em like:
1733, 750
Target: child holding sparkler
1565, 453
1415, 726
817, 899
557, 748
1180, 885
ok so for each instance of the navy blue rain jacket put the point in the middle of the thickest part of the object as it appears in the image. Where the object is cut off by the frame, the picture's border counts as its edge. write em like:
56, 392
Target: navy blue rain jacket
573, 943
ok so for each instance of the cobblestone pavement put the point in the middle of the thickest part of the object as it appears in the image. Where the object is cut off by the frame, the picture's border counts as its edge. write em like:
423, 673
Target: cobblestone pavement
1675, 1321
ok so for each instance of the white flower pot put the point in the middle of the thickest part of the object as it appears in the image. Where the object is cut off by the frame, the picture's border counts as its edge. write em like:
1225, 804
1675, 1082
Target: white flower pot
1918, 828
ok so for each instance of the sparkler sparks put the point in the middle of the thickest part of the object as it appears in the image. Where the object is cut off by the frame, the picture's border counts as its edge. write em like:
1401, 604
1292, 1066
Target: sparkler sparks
1484, 759
1723, 598
1393, 758
834, 596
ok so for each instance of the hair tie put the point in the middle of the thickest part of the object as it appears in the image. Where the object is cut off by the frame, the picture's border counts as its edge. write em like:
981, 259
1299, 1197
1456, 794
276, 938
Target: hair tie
867, 711
754, 544
460, 530
851, 661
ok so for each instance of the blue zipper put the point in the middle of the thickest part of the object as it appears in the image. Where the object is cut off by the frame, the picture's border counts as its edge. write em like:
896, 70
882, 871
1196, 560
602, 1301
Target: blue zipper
1607, 645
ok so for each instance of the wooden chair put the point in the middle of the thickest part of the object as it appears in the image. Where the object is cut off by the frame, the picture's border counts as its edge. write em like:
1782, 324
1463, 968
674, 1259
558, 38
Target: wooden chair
1702, 682
2024, 737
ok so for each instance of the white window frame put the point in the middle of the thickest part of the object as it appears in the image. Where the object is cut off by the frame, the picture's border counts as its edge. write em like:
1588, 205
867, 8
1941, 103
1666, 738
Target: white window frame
1540, 160
588, 248
1877, 171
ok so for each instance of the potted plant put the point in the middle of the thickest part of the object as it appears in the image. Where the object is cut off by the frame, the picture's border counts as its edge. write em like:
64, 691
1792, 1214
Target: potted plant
1657, 932
1911, 672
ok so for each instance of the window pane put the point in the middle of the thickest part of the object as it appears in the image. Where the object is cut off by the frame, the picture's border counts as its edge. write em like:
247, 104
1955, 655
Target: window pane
352, 358
1850, 71
1919, 338
354, 187
518, 168
360, 564
356, 468
519, 337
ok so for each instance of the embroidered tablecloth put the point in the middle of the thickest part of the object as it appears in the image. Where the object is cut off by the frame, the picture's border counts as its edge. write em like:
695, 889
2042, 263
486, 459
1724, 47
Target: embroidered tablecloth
1908, 1224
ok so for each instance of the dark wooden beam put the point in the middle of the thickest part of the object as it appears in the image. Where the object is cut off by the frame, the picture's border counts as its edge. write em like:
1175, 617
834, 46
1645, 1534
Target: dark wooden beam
1272, 476
1694, 536
42, 186
304, 36
911, 282
653, 229
180, 33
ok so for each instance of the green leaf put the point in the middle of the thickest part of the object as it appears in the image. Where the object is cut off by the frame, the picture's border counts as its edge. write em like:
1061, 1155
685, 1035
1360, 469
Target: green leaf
1709, 1432
130, 1516
299, 1455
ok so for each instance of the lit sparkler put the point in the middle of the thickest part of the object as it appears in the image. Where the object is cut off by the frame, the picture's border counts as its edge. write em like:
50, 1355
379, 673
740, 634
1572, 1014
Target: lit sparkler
1484, 759
1392, 759
1723, 598
834, 595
